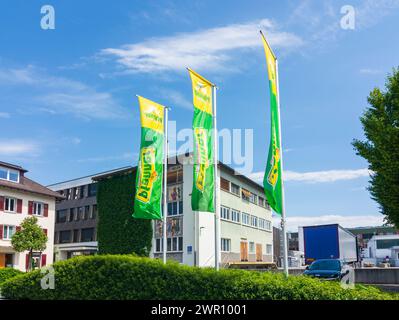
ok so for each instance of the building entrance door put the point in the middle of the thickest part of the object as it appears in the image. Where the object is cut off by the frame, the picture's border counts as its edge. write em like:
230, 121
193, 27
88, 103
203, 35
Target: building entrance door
9, 260
2, 260
244, 251
259, 255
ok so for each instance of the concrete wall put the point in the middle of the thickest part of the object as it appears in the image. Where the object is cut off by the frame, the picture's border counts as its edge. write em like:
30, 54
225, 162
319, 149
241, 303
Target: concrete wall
377, 275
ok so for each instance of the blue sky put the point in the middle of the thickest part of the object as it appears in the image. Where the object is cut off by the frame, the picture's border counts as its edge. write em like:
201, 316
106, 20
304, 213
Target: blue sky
68, 105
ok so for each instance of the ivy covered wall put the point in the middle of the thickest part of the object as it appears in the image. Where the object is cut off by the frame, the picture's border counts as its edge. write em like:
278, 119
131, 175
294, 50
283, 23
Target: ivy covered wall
118, 232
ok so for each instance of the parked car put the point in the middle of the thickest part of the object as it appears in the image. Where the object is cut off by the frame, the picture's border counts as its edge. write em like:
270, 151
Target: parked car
327, 269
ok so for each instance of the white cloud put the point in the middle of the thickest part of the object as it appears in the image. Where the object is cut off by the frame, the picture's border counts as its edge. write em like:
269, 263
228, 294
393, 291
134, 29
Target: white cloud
370, 71
320, 20
372, 11
346, 221
17, 147
58, 95
318, 176
4, 115
176, 99
208, 49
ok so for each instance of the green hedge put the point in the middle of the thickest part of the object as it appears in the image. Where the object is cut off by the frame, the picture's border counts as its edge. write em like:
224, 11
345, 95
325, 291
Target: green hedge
8, 273
129, 277
117, 231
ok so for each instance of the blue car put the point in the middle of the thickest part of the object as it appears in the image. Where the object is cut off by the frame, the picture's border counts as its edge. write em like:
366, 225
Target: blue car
326, 269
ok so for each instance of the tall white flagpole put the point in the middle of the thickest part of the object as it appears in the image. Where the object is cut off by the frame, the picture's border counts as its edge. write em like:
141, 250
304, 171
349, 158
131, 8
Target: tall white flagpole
216, 186
283, 221
165, 184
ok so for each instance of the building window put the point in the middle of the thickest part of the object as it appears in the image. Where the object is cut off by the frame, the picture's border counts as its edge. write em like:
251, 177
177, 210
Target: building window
252, 247
245, 218
38, 208
76, 235
65, 236
77, 215
81, 192
225, 245
268, 225
225, 213
262, 223
387, 243
175, 174
61, 216
261, 201
235, 189
9, 174
8, 232
86, 214
224, 184
92, 192
158, 245
87, 235
93, 212
71, 214
10, 204
235, 215
245, 194
254, 221
174, 244
269, 249
253, 198
175, 203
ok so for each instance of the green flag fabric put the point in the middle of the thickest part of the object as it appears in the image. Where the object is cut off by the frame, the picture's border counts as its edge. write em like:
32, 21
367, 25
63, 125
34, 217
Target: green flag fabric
148, 196
202, 196
272, 182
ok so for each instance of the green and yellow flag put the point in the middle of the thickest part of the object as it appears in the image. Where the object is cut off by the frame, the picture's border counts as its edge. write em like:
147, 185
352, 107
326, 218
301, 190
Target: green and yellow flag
147, 204
202, 196
272, 180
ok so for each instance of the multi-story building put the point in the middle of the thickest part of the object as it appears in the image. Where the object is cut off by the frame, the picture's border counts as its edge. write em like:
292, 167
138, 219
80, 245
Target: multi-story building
245, 218
20, 198
76, 217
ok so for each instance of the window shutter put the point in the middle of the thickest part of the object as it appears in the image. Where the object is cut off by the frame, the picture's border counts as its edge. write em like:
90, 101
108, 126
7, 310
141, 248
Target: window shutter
19, 205
45, 210
27, 262
30, 207
1, 203
45, 231
18, 228
44, 259
1, 231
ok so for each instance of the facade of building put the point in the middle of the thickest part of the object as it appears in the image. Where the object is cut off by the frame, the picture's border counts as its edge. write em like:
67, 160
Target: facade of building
245, 218
20, 198
76, 218
364, 234
382, 248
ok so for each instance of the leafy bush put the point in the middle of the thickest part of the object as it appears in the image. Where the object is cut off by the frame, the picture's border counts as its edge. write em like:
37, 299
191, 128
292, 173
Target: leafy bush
8, 273
117, 231
127, 277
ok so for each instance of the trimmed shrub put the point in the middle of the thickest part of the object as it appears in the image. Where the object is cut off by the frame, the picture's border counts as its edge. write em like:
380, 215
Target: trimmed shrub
117, 231
8, 273
128, 277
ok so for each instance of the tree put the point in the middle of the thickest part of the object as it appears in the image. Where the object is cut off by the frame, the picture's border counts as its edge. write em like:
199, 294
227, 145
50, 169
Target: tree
380, 123
30, 238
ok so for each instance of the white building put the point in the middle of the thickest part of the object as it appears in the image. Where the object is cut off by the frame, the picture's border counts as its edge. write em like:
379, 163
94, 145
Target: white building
379, 247
245, 224
21, 197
